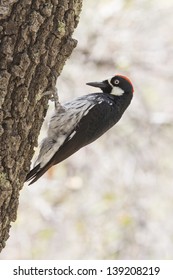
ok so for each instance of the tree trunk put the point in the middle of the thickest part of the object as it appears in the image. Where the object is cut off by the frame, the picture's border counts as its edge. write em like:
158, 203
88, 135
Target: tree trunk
35, 41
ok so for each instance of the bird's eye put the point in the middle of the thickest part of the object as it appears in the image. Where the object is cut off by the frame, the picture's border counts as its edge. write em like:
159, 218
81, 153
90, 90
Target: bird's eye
116, 82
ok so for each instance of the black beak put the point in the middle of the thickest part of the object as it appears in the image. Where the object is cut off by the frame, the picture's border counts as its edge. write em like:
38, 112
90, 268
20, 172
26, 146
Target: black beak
101, 85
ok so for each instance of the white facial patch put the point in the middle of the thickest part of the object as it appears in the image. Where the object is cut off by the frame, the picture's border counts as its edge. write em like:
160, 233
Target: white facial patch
117, 91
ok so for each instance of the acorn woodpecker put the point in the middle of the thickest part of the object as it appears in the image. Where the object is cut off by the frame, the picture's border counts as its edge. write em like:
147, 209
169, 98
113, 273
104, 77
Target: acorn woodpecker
79, 122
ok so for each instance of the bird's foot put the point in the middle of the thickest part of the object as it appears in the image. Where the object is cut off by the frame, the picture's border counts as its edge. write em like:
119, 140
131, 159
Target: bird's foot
53, 97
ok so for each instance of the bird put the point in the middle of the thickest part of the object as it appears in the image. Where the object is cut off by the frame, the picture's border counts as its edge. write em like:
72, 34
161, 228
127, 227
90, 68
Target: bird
81, 121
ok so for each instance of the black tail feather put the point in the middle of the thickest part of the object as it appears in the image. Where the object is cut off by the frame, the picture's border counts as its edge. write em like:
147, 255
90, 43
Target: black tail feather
32, 172
36, 173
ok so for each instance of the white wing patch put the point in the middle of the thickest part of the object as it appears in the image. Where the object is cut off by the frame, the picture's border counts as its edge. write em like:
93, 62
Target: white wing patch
71, 135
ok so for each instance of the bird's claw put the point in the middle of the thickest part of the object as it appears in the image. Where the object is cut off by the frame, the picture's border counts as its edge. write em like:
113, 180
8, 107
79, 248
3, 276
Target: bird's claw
53, 96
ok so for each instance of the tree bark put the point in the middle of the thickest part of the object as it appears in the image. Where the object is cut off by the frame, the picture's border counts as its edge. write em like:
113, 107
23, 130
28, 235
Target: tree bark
35, 41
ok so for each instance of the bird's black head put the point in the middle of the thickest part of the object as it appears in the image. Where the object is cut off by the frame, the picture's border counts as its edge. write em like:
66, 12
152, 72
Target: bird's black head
117, 85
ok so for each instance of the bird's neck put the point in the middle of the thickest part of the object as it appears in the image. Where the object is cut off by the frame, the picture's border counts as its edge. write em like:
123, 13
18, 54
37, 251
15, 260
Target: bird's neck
123, 101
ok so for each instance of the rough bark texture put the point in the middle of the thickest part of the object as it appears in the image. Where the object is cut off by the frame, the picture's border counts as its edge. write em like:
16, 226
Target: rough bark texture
35, 41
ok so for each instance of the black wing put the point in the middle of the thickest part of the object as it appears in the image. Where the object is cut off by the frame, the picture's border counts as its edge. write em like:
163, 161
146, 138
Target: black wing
95, 123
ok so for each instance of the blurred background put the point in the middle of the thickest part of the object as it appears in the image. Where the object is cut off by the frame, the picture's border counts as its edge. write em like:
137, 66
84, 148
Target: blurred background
114, 198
